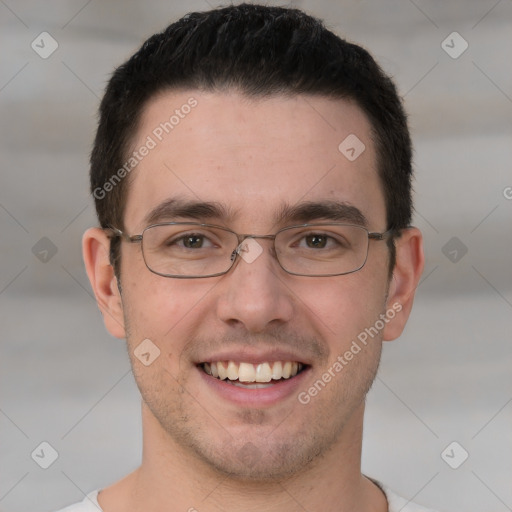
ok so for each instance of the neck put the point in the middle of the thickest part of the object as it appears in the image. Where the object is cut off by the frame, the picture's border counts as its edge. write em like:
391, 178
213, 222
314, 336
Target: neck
171, 475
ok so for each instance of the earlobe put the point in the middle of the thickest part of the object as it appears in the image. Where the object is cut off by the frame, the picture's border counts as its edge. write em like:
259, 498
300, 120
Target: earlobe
95, 248
406, 276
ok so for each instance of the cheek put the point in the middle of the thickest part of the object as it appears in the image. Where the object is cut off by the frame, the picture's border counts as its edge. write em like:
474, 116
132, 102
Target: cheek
165, 311
158, 330
342, 306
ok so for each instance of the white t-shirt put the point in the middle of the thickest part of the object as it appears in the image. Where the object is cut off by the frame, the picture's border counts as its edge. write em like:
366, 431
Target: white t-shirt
395, 502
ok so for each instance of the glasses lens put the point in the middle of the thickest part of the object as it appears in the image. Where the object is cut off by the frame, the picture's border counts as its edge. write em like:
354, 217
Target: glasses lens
188, 250
322, 249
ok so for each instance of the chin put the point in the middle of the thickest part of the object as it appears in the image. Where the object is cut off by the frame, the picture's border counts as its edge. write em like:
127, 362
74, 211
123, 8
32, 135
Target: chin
255, 458
248, 463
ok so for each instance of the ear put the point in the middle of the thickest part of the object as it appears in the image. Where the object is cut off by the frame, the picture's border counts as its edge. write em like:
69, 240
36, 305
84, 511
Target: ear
406, 276
96, 249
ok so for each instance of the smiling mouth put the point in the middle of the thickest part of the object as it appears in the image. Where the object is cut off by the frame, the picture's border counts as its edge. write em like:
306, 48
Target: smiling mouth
253, 376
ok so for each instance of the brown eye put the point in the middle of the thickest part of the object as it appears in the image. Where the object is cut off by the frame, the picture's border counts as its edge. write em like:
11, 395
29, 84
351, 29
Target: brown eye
193, 241
316, 241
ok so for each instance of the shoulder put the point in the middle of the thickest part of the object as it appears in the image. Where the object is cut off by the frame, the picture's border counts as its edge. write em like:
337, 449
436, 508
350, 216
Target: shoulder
398, 504
88, 504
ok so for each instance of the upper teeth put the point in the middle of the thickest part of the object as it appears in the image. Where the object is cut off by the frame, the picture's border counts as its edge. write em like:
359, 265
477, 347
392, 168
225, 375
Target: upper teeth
248, 372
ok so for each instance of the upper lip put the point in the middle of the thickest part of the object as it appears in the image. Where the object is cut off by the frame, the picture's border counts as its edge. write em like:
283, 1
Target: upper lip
254, 356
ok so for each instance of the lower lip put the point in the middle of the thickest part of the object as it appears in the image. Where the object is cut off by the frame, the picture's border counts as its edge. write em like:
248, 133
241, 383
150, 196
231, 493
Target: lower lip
263, 397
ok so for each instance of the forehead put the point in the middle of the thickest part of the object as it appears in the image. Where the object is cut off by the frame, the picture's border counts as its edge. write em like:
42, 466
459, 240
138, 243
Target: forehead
254, 157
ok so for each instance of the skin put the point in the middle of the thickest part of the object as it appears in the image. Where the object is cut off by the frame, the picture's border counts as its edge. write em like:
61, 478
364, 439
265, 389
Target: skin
253, 156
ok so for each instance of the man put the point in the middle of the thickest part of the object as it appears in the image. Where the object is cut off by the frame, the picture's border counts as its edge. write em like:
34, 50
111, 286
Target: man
251, 173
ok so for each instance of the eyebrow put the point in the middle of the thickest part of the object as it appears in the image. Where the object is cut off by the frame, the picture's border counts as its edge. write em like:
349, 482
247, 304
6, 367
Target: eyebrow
338, 211
322, 210
180, 208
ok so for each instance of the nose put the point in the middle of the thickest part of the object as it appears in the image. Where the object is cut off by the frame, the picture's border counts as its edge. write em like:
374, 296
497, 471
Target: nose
254, 294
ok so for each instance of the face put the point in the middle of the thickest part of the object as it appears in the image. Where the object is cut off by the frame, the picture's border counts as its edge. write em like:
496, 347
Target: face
259, 162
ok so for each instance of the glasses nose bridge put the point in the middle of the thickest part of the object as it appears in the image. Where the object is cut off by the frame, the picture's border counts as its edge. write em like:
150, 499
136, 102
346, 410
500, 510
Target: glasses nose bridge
243, 237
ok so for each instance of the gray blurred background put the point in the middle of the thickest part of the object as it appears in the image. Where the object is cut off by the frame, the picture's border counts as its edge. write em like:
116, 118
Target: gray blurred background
66, 382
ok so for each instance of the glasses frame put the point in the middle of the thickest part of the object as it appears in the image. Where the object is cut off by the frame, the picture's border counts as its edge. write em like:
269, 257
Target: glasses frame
135, 239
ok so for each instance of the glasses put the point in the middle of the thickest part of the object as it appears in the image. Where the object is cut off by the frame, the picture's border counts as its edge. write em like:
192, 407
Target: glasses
191, 250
